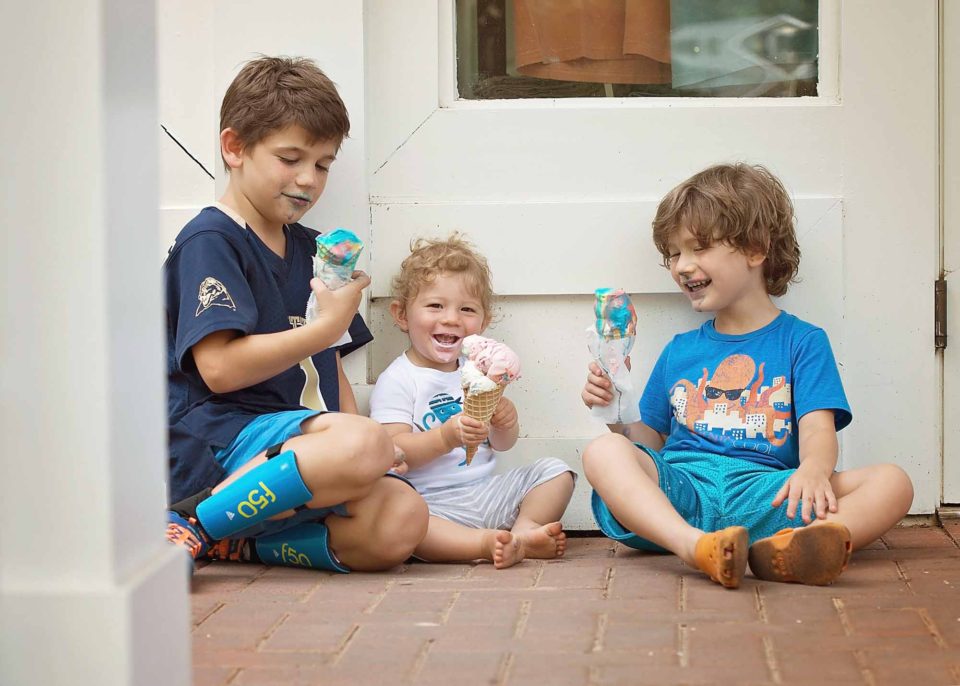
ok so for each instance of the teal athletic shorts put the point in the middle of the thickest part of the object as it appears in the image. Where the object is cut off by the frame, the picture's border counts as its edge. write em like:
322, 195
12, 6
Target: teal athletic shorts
263, 432
711, 492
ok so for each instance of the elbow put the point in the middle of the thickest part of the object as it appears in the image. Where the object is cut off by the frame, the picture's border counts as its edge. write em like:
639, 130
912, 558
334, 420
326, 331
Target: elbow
215, 376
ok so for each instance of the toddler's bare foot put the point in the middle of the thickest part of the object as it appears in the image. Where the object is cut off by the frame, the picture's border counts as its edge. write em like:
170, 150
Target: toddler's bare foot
543, 543
507, 550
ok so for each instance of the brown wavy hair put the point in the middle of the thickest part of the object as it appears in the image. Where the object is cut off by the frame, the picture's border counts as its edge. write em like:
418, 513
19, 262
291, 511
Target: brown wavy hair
429, 258
271, 93
740, 205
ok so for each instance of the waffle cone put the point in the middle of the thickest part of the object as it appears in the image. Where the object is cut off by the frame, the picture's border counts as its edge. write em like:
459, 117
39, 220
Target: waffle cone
480, 406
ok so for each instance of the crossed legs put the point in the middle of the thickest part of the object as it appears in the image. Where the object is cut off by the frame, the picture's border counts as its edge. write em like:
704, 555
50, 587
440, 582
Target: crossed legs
870, 501
537, 532
342, 458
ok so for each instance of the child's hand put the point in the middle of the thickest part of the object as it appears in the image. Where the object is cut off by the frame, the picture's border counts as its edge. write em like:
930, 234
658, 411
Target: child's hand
505, 415
461, 430
472, 431
399, 461
467, 430
811, 488
340, 305
597, 390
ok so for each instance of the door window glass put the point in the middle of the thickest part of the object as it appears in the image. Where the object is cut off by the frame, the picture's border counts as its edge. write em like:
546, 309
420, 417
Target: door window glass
636, 48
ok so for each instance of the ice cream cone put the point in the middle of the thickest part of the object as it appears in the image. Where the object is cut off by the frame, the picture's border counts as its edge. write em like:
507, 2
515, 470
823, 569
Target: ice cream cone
480, 406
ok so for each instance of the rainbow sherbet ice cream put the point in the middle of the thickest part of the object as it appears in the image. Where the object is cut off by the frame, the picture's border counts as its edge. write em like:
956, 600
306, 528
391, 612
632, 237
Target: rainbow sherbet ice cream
610, 340
616, 317
336, 258
335, 261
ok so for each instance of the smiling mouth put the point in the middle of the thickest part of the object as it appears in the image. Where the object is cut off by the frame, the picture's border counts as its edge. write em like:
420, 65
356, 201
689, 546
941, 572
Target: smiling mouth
698, 285
446, 340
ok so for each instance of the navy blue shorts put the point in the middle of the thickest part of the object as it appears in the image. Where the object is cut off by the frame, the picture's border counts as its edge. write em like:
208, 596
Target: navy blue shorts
711, 492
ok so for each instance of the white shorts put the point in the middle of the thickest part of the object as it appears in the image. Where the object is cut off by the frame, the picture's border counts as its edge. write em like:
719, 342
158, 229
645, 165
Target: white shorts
492, 502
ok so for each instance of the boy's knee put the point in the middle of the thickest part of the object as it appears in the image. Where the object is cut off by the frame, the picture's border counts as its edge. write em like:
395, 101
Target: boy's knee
363, 443
358, 448
599, 449
401, 525
371, 443
406, 522
899, 481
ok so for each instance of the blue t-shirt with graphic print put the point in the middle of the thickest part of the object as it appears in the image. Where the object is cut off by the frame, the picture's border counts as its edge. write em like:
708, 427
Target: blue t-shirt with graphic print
220, 276
741, 395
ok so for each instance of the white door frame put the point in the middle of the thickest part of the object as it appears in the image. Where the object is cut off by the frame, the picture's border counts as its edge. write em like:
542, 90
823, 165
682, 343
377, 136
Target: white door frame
950, 240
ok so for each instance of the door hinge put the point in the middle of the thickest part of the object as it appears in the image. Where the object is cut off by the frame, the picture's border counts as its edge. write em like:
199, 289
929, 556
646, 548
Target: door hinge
940, 314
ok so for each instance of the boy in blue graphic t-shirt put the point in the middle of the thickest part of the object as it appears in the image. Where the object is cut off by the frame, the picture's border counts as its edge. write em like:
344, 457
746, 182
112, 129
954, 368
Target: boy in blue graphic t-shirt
739, 417
269, 460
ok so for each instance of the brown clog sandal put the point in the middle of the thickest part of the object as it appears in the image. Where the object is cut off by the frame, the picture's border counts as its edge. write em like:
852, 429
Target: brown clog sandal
814, 555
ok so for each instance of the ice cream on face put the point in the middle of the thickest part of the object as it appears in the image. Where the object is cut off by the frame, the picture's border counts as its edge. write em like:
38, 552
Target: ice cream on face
616, 317
492, 359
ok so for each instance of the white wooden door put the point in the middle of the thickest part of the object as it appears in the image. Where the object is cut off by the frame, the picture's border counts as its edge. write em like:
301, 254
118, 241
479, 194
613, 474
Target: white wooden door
951, 243
559, 195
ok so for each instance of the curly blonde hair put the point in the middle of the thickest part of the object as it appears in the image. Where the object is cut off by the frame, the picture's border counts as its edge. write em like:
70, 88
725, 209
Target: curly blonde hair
740, 205
429, 258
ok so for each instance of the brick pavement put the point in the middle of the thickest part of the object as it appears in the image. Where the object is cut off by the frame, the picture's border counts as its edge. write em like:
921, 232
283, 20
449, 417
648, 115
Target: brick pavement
602, 615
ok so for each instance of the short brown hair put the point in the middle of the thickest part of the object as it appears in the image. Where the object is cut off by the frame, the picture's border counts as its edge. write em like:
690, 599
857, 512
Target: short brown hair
429, 258
271, 93
741, 205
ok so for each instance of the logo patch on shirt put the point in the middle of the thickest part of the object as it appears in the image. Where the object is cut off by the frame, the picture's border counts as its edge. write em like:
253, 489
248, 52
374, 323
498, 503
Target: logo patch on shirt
442, 407
213, 294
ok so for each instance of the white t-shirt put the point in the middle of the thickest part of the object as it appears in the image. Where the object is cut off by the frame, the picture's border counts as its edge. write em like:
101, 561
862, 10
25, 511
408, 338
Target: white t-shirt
424, 398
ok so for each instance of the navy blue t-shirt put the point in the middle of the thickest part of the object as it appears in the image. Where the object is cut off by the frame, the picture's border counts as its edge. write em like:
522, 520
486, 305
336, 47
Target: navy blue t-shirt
220, 276
742, 395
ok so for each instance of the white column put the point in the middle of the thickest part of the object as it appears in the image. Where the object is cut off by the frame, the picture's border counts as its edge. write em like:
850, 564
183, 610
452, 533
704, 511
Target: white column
90, 593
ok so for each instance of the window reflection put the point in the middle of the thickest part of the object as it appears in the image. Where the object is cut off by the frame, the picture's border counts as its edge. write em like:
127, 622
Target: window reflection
636, 48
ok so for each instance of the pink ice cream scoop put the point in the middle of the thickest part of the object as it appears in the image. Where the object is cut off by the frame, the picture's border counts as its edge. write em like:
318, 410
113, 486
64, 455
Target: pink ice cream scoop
492, 358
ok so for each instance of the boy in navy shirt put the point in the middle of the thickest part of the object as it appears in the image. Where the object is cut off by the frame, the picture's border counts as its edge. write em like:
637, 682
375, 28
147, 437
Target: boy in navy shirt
739, 417
267, 454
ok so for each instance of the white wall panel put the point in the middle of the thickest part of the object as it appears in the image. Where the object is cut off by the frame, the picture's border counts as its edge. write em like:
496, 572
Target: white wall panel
542, 248
405, 100
188, 102
499, 151
889, 150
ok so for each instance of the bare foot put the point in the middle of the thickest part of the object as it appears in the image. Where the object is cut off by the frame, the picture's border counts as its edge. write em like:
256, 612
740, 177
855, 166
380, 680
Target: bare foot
507, 550
543, 543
